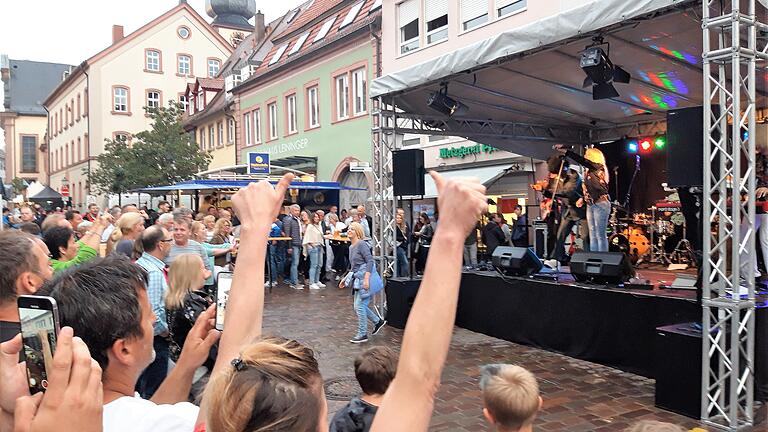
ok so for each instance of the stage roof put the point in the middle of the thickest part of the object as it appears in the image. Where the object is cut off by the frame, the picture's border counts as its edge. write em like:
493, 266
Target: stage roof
531, 76
200, 185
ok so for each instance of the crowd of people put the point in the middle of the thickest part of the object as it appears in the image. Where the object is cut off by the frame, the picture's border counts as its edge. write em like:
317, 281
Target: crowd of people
147, 304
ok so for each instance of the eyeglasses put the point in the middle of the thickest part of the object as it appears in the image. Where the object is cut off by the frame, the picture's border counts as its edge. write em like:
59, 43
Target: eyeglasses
167, 240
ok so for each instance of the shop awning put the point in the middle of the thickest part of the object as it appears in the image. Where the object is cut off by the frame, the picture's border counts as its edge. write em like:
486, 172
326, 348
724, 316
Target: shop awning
202, 185
487, 175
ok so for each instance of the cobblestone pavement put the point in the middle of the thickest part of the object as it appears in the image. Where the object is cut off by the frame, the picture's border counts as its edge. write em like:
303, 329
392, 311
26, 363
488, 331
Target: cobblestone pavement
578, 395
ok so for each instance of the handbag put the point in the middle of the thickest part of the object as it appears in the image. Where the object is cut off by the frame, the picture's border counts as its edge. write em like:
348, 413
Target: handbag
375, 285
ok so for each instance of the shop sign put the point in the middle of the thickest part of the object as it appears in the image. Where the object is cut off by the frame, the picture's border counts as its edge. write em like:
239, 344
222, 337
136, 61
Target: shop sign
289, 147
464, 151
258, 163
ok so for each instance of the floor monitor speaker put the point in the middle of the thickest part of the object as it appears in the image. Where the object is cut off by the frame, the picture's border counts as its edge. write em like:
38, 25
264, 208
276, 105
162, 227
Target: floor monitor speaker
516, 261
601, 267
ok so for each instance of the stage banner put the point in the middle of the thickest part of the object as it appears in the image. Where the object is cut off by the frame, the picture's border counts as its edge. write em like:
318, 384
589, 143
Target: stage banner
258, 163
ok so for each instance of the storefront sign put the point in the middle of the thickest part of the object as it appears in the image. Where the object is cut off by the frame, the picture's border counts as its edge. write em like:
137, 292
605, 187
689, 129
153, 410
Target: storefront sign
464, 151
293, 146
258, 163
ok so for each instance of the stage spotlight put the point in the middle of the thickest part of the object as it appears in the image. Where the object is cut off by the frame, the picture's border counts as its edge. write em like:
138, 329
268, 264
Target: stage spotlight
601, 72
645, 144
441, 102
632, 146
660, 142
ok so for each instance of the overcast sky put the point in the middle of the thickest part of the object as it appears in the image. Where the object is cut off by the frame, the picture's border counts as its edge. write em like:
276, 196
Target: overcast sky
70, 31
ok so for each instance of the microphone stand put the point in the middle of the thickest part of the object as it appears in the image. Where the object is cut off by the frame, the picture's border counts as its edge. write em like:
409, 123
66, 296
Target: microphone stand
632, 182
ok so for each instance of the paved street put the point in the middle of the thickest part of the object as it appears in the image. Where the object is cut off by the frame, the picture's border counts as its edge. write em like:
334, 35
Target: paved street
578, 395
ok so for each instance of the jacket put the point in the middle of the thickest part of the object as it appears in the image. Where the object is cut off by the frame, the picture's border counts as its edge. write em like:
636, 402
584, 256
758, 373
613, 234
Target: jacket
493, 236
292, 229
356, 416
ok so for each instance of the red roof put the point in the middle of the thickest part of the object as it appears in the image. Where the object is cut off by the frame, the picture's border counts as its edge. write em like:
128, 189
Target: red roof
211, 83
304, 23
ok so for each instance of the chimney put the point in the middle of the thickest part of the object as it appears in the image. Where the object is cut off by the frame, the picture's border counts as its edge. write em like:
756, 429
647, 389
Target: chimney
259, 29
117, 33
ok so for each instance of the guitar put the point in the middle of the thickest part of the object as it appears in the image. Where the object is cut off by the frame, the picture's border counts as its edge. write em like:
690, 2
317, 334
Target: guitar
545, 206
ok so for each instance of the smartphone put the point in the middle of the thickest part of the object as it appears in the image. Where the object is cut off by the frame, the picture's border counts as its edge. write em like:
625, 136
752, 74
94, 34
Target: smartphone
39, 318
224, 282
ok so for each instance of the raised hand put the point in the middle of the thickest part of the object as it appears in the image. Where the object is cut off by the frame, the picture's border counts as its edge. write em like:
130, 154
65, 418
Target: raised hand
257, 204
461, 202
13, 374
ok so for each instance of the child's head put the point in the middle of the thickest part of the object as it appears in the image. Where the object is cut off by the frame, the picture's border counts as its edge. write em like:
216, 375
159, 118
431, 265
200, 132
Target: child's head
375, 368
510, 396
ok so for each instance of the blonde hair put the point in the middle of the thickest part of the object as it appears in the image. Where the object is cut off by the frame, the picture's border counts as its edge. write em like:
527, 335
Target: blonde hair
358, 229
184, 276
123, 225
511, 396
592, 154
197, 230
654, 426
209, 218
217, 230
274, 386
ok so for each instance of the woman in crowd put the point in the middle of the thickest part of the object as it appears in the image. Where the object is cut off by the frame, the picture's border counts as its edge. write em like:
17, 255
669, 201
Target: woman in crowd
303, 261
423, 241
598, 201
221, 236
361, 262
402, 235
312, 243
184, 301
340, 248
127, 229
214, 251
210, 227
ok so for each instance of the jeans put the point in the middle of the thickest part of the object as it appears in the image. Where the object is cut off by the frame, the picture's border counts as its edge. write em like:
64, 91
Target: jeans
155, 373
402, 262
570, 218
315, 262
470, 254
597, 217
274, 269
364, 313
295, 254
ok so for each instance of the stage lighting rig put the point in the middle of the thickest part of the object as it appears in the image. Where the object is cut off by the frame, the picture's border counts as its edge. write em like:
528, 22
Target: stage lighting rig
601, 72
441, 102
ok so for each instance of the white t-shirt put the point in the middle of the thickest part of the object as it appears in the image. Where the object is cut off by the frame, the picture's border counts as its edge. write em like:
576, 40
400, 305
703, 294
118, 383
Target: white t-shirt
134, 414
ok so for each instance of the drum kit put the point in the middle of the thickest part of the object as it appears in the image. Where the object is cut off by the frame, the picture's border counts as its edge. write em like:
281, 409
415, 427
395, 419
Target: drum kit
646, 237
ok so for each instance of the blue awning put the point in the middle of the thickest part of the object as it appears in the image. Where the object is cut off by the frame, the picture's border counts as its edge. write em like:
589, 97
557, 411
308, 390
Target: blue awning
200, 185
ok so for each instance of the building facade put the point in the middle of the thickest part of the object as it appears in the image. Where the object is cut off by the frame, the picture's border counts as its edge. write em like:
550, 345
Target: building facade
24, 121
104, 97
307, 103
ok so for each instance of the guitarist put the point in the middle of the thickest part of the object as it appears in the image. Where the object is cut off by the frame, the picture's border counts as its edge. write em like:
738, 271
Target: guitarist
564, 185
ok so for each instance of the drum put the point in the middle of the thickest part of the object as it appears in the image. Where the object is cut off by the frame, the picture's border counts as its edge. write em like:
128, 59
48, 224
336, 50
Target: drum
618, 243
638, 243
664, 227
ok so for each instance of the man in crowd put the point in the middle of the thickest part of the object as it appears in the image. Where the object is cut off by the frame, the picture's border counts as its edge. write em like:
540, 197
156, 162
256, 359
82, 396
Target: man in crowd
166, 221
520, 231
492, 234
156, 242
325, 230
225, 214
292, 229
74, 218
182, 244
55, 219
27, 214
23, 270
333, 210
115, 213
510, 397
66, 252
365, 220
93, 212
183, 212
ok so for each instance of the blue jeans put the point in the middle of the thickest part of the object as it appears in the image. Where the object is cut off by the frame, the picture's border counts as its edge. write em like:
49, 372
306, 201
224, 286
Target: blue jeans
364, 313
274, 267
155, 373
402, 262
315, 262
295, 264
597, 218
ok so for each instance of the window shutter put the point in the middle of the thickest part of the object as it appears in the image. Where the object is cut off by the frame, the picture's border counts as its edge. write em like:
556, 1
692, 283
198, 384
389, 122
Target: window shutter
501, 3
408, 11
473, 8
436, 9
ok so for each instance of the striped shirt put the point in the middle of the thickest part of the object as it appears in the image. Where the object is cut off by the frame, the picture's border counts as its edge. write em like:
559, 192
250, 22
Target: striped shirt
192, 247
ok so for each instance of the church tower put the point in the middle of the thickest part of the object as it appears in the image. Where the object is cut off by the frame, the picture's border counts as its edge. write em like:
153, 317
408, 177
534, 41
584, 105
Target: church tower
230, 18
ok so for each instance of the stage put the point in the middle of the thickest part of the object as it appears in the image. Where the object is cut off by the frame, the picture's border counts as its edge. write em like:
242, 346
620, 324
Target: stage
608, 325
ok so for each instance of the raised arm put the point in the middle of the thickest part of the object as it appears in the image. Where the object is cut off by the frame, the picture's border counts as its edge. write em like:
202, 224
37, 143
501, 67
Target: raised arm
409, 401
579, 159
256, 206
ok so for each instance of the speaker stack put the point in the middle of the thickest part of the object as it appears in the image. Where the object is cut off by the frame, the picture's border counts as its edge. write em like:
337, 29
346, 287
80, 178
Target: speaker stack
408, 172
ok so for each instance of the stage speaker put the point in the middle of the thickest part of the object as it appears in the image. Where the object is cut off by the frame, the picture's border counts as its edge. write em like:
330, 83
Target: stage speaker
685, 146
601, 267
408, 172
677, 369
516, 261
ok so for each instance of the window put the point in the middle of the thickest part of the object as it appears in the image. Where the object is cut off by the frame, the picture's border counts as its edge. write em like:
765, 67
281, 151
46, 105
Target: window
86, 149
184, 102
313, 107
61, 119
153, 99
376, 5
272, 121
324, 30
278, 54
230, 131
411, 139
351, 15
473, 13
85, 102
120, 100
72, 112
152, 61
506, 7
79, 104
290, 107
184, 65
183, 32
342, 97
28, 154
436, 16
66, 154
121, 136
236, 78
299, 42
202, 139
72, 156
66, 116
257, 126
200, 99
213, 67
211, 137
220, 132
408, 16
79, 149
247, 129
359, 91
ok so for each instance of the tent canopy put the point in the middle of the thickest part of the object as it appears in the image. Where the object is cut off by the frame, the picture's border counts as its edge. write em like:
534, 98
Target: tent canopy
530, 76
203, 185
47, 194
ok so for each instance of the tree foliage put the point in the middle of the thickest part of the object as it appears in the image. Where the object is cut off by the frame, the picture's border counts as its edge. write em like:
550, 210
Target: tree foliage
159, 156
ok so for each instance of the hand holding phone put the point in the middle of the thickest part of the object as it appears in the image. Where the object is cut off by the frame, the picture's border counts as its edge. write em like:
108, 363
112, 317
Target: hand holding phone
224, 283
13, 374
39, 318
200, 339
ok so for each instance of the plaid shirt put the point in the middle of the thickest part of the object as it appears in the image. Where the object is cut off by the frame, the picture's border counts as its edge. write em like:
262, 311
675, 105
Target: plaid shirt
156, 289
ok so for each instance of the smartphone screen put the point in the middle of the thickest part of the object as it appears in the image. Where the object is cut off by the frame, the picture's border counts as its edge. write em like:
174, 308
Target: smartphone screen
39, 326
222, 295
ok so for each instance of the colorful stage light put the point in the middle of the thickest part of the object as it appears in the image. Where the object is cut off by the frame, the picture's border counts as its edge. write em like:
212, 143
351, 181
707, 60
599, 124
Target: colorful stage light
660, 142
645, 144
632, 146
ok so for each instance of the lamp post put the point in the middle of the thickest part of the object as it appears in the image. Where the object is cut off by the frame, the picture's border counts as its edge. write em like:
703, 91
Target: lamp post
64, 190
